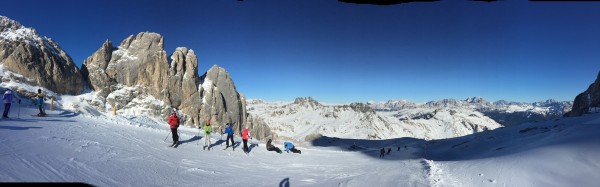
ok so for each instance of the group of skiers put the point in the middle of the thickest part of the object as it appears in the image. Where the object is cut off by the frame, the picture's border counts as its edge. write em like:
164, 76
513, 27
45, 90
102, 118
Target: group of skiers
38, 100
174, 122
382, 152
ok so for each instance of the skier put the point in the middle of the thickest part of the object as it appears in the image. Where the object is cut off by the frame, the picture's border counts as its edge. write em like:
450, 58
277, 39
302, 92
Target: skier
207, 131
229, 131
289, 146
7, 101
389, 150
174, 124
271, 147
382, 152
245, 136
40, 102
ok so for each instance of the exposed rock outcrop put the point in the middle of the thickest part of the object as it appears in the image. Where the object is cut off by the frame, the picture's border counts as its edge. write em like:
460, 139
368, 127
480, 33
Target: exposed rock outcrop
584, 101
221, 100
137, 72
37, 58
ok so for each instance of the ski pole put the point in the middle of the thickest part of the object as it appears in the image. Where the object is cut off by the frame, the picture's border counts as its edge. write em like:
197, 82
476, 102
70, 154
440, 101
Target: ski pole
165, 140
19, 113
198, 142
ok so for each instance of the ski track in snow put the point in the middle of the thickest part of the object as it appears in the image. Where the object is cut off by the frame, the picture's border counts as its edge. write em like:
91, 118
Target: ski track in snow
436, 176
93, 149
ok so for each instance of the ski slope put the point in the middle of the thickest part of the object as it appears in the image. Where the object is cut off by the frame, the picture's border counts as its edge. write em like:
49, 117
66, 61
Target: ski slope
105, 150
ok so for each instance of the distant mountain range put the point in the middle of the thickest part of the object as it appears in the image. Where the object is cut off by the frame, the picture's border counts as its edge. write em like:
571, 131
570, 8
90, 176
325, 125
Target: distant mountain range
306, 119
507, 113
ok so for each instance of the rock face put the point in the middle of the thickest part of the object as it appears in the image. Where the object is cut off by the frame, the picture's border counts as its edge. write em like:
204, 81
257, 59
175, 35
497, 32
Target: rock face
589, 98
221, 100
37, 58
137, 74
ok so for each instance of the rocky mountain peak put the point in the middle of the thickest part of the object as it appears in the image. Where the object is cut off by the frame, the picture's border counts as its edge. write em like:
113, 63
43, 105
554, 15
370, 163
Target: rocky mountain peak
139, 70
306, 101
587, 99
143, 41
9, 24
475, 100
38, 58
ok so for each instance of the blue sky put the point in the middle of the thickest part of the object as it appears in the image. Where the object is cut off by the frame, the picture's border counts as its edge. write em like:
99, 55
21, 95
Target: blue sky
278, 50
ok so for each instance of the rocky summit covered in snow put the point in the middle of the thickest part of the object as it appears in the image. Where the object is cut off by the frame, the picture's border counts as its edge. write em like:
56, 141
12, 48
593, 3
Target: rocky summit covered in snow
38, 59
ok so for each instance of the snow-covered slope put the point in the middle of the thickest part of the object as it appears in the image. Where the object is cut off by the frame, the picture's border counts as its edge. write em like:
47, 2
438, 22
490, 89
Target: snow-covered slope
106, 150
306, 119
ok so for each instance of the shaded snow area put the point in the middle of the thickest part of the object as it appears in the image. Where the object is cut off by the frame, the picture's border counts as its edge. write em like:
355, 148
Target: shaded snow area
107, 150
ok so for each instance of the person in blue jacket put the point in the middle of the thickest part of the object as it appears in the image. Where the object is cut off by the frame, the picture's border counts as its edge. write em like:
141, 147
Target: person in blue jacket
229, 131
289, 146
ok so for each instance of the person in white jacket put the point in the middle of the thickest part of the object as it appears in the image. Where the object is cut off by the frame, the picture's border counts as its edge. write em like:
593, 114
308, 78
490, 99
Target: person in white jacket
7, 102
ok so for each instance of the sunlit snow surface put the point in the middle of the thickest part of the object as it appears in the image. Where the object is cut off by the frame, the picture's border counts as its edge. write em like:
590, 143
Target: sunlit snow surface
106, 150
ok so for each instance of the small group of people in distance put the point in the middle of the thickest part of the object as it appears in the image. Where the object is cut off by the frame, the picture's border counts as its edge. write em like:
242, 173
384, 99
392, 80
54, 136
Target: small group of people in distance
38, 99
382, 151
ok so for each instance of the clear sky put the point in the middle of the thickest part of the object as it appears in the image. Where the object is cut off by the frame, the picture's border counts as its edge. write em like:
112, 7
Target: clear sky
278, 50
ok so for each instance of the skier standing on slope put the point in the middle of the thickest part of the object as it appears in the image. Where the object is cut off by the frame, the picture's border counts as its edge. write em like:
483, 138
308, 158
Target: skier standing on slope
229, 131
174, 124
40, 102
207, 132
381, 152
7, 102
245, 136
289, 146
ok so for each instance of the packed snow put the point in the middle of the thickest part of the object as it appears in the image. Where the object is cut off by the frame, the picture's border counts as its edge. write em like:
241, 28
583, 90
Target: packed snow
102, 149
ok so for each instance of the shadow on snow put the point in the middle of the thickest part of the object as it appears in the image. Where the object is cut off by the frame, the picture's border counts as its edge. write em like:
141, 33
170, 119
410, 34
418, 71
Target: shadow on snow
486, 144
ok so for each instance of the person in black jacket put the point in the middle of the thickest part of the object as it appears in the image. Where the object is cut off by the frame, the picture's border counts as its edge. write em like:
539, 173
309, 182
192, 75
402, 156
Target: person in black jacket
271, 147
382, 152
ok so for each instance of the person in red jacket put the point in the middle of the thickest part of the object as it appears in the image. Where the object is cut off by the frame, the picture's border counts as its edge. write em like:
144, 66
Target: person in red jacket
174, 124
245, 136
